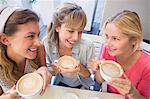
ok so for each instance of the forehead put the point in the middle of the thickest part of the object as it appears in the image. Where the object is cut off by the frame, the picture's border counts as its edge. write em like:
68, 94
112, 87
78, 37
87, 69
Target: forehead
73, 27
112, 30
30, 27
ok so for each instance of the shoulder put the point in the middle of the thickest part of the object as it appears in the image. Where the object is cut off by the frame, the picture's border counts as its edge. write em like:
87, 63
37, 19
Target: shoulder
144, 63
145, 58
47, 43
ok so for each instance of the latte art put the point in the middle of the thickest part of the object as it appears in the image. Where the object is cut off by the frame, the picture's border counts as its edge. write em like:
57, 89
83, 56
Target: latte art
66, 62
29, 85
111, 70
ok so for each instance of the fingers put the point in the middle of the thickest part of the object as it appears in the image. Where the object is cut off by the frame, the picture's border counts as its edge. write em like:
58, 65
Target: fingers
95, 64
43, 71
13, 93
122, 85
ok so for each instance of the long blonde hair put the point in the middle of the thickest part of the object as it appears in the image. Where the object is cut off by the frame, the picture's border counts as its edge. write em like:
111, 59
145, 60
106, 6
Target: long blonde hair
129, 23
8, 66
70, 14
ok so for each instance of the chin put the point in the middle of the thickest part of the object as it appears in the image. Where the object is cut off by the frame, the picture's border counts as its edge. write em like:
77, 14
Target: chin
31, 57
112, 53
69, 46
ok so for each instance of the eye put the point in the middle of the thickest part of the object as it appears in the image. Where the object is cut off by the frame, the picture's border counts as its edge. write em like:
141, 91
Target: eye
30, 36
80, 32
115, 38
106, 36
71, 31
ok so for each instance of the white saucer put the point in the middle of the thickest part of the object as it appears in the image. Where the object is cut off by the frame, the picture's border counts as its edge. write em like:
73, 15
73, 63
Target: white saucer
93, 97
69, 96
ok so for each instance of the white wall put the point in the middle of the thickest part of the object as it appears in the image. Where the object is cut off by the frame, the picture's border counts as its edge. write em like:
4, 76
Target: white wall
46, 7
142, 7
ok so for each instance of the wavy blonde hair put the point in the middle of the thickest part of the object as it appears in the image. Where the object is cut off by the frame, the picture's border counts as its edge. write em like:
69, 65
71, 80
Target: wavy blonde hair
8, 66
129, 23
69, 13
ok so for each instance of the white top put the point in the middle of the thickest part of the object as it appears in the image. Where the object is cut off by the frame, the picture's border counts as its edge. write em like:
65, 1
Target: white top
82, 51
5, 85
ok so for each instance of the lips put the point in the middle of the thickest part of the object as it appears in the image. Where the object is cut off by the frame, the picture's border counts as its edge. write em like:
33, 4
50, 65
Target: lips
33, 49
70, 42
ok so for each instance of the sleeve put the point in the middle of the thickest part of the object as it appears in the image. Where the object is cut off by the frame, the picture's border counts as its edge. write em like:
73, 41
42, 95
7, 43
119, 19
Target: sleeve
86, 52
90, 54
144, 85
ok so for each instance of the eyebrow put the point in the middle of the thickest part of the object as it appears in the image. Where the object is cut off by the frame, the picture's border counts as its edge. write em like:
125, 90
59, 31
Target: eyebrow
33, 33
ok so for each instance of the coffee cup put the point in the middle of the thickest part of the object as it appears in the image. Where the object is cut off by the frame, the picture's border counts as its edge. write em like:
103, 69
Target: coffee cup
110, 69
29, 85
67, 62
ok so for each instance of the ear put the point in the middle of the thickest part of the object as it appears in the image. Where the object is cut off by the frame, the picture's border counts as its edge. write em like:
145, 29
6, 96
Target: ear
57, 29
4, 39
134, 41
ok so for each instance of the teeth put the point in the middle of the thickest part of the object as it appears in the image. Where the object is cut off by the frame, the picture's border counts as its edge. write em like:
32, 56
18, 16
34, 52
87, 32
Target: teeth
72, 42
33, 49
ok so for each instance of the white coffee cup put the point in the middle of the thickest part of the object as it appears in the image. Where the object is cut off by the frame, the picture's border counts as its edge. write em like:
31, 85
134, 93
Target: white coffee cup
110, 69
67, 62
29, 85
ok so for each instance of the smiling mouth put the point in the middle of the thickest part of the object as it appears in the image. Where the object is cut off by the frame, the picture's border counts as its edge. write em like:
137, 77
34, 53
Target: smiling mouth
33, 49
72, 43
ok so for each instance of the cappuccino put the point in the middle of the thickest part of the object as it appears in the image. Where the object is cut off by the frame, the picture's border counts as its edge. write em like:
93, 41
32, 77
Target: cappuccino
110, 69
29, 85
66, 62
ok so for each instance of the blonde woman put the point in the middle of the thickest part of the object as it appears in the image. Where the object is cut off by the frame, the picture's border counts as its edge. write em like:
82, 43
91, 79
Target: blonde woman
64, 38
19, 48
123, 34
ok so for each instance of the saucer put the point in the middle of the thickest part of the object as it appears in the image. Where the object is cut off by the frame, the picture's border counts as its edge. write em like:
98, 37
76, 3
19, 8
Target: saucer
94, 97
69, 96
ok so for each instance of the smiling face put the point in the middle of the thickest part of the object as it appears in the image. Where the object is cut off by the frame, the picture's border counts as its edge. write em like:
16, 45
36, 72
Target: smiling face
68, 37
24, 43
118, 43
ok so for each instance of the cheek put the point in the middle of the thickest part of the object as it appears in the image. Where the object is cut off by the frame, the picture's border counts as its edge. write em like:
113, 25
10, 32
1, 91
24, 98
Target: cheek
124, 47
22, 45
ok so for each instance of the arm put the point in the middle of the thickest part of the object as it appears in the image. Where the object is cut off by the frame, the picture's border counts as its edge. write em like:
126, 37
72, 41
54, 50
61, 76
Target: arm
90, 53
84, 72
98, 77
95, 68
125, 87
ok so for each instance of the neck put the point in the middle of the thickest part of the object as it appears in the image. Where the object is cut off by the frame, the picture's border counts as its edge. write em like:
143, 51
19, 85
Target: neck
64, 50
126, 61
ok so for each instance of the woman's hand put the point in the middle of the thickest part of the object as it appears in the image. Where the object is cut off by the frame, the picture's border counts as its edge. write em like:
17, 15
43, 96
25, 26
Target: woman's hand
71, 71
46, 75
11, 94
125, 87
95, 68
95, 64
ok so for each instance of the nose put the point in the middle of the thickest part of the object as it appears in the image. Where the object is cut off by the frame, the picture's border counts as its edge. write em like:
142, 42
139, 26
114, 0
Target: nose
76, 36
37, 41
108, 42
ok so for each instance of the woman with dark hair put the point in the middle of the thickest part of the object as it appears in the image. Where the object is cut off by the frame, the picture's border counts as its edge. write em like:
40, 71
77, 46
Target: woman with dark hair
19, 49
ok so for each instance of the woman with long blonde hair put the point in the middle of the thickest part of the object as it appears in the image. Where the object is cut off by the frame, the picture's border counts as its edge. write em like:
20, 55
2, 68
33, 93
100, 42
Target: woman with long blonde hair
123, 33
64, 38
